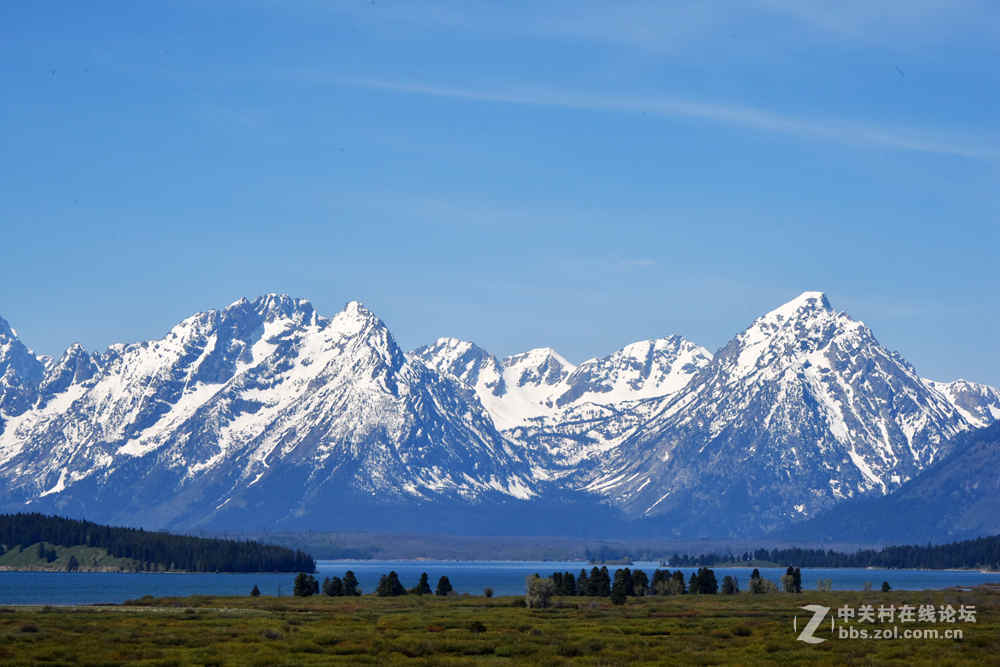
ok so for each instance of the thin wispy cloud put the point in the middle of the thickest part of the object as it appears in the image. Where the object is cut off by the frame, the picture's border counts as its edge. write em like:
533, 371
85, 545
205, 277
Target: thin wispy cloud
666, 27
763, 120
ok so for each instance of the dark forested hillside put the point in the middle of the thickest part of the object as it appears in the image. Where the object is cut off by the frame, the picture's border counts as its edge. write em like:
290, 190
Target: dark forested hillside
983, 552
152, 550
957, 498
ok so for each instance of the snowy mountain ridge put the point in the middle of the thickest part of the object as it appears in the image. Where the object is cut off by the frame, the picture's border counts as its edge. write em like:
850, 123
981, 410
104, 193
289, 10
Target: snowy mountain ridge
267, 411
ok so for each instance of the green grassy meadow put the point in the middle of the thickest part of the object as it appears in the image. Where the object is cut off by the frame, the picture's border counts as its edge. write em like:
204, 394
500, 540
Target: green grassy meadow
89, 559
465, 630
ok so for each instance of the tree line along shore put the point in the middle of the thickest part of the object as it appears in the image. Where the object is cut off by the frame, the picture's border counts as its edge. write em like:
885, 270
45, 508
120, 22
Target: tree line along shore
40, 542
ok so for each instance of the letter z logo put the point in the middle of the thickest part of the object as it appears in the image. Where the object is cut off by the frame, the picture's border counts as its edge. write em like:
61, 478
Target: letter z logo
819, 612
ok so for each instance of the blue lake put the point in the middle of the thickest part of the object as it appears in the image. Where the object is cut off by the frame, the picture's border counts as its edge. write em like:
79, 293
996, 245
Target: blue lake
504, 577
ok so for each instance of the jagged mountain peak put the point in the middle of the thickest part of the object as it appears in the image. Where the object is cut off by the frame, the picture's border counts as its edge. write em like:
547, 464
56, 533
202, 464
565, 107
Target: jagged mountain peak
539, 365
463, 359
355, 311
6, 332
808, 301
788, 334
20, 372
271, 307
267, 407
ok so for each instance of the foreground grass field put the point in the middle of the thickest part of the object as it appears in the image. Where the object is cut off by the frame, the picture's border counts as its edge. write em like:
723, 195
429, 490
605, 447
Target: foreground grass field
711, 629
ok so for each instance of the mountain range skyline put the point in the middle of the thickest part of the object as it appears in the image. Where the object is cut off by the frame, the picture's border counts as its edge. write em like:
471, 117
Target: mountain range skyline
74, 343
268, 411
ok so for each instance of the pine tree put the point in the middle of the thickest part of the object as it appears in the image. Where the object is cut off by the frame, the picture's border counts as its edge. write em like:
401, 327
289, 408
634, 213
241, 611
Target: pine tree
569, 584
72, 565
619, 589
618, 594
423, 587
886, 587
255, 592
390, 586
729, 585
594, 588
678, 578
583, 584
640, 583
443, 587
603, 582
305, 585
333, 587
797, 580
351, 586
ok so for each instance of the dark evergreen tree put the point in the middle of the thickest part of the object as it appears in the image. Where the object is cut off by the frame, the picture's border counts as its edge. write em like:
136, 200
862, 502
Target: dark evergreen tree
423, 586
604, 583
334, 587
389, 585
351, 586
619, 586
305, 585
678, 577
255, 592
443, 587
704, 582
640, 583
595, 582
569, 584
618, 594
72, 565
583, 583
730, 586
886, 587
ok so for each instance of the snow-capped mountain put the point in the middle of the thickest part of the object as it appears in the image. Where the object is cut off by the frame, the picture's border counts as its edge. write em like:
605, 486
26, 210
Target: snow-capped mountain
266, 413
565, 415
979, 404
957, 498
518, 388
541, 383
263, 408
803, 409
20, 373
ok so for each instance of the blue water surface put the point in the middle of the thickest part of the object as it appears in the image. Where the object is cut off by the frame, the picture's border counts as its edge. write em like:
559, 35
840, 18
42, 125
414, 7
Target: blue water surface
504, 577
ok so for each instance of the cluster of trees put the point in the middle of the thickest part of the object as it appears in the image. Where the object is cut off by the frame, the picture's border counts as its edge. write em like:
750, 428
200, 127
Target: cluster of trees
389, 585
983, 552
627, 582
153, 550
306, 585
791, 582
624, 584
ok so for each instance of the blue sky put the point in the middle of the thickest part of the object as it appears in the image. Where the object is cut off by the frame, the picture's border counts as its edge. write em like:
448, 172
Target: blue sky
578, 175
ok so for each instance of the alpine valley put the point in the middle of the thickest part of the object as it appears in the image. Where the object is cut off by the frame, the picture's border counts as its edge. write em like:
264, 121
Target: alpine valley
267, 415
